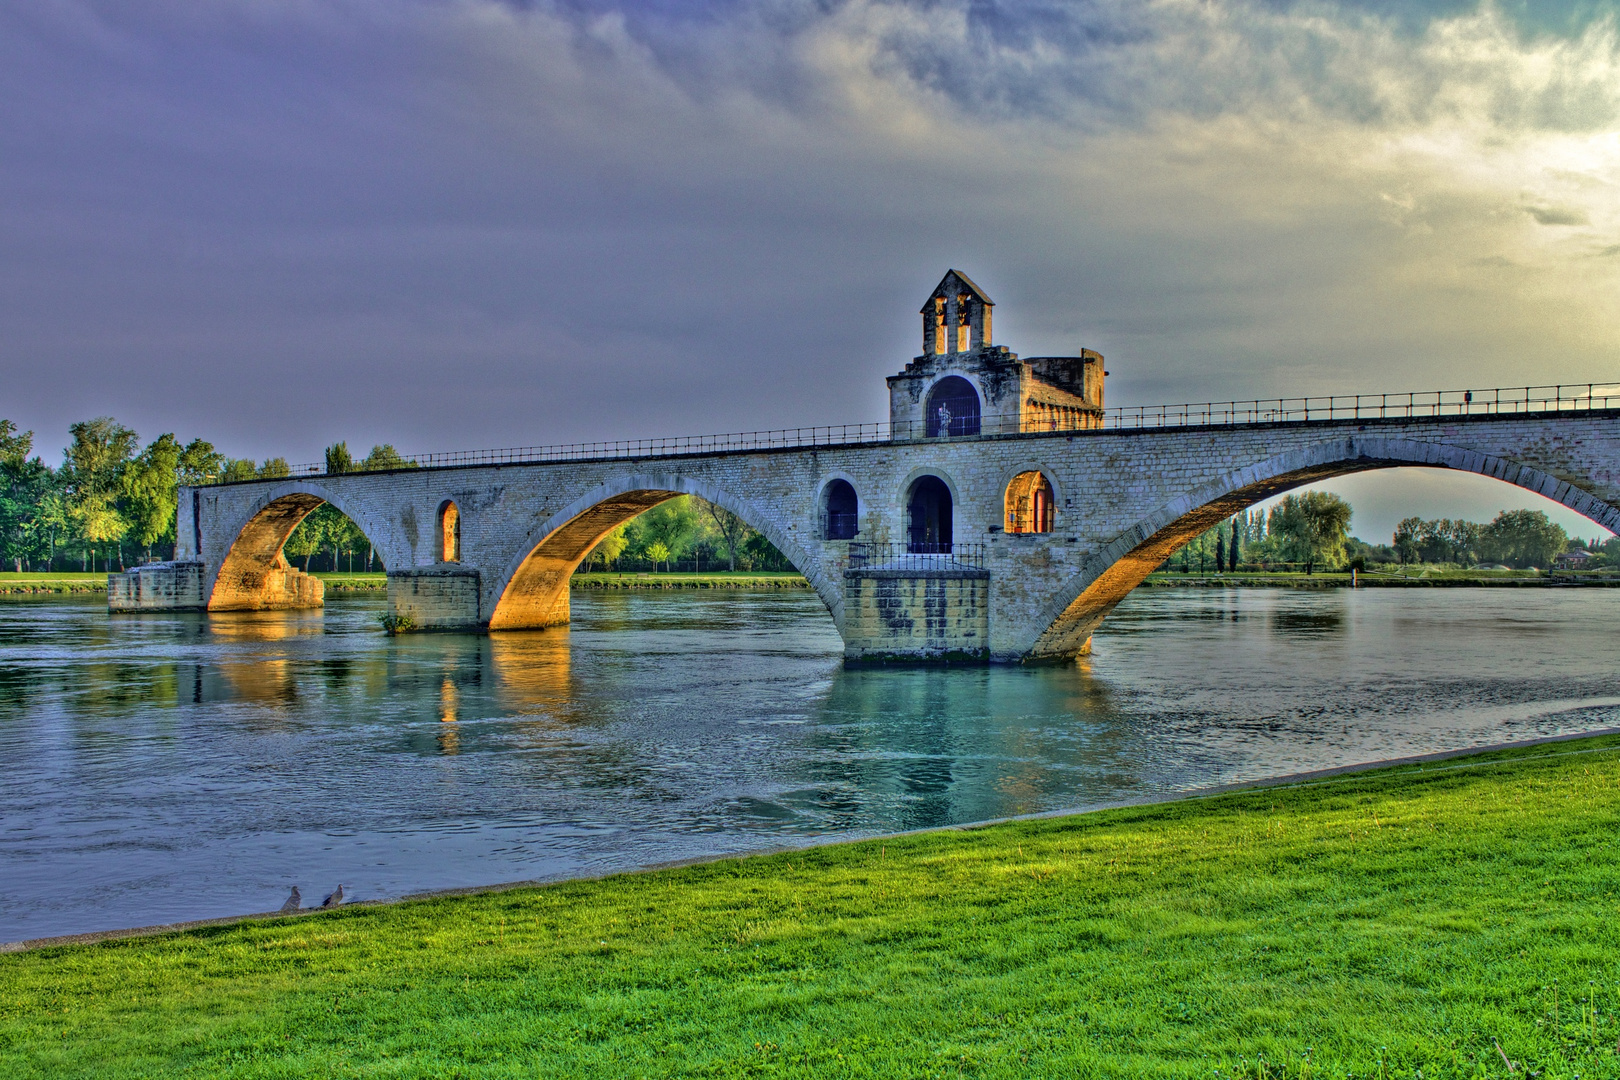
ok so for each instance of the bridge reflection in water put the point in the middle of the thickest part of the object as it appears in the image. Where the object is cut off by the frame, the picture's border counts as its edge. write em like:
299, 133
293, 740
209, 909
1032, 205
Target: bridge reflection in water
213, 762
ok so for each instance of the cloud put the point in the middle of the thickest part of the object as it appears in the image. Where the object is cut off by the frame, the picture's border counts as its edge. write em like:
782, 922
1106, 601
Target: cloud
466, 222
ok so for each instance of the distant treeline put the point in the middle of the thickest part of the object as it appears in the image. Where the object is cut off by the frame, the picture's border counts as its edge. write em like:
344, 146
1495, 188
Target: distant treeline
1309, 530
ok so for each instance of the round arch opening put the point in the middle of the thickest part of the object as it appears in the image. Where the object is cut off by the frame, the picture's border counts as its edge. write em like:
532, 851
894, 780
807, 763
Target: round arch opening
840, 511
449, 532
929, 511
953, 408
1031, 505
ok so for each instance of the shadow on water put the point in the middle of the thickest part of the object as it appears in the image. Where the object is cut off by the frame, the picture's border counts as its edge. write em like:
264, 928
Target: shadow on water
163, 767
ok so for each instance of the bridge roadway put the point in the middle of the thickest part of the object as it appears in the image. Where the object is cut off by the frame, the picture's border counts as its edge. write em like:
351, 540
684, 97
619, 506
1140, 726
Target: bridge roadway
1124, 500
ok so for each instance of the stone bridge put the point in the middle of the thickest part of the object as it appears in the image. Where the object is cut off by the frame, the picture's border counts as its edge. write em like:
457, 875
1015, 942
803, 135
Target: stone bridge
1000, 514
491, 547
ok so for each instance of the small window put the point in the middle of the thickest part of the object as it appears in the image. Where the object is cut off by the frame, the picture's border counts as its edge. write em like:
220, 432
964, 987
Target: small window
449, 533
1030, 505
840, 512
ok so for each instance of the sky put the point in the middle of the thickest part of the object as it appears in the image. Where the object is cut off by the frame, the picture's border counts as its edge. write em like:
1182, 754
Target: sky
457, 224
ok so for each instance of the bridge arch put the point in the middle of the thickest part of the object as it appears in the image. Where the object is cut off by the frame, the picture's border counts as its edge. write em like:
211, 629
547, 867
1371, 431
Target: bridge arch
533, 588
1085, 599
253, 573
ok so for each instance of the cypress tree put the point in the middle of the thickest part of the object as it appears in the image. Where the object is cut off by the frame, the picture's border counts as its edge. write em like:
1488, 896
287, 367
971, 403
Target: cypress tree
1232, 552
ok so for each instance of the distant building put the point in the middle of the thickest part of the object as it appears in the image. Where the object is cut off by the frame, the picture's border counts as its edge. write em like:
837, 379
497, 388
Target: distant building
964, 384
1573, 560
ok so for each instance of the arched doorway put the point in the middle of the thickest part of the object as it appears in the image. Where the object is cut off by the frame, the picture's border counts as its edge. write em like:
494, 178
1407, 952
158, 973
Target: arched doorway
953, 408
928, 516
839, 511
1030, 504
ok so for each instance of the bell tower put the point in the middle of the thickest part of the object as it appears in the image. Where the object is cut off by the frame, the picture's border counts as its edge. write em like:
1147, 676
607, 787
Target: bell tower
964, 384
956, 318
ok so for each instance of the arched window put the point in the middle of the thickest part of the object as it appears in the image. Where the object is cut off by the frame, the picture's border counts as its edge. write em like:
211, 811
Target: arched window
1030, 505
839, 511
449, 533
953, 408
928, 516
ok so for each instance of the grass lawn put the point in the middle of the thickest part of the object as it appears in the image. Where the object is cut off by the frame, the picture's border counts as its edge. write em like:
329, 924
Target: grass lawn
356, 582
54, 582
1389, 924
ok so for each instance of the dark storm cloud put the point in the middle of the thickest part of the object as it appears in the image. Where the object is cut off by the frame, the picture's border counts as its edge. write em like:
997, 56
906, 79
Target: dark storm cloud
468, 223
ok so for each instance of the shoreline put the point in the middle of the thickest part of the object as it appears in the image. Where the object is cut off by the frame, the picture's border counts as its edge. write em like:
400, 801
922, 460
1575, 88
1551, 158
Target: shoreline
24, 585
1305, 779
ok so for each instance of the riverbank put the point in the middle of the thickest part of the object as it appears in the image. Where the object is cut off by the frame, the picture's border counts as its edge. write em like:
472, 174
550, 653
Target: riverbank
1373, 924
1415, 579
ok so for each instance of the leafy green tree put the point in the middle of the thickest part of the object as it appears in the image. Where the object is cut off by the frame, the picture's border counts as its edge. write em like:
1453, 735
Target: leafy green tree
150, 491
338, 459
199, 463
731, 529
1523, 538
93, 471
304, 541
1312, 528
25, 484
273, 469
609, 548
1405, 539
658, 552
383, 458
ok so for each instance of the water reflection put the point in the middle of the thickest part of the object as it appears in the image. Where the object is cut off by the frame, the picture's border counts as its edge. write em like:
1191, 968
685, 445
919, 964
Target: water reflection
167, 767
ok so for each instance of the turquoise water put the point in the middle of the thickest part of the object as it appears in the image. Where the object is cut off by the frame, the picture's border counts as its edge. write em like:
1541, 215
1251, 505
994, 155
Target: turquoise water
169, 767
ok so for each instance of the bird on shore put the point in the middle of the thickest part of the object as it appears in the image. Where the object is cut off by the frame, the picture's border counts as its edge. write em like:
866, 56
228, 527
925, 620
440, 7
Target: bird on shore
293, 902
334, 898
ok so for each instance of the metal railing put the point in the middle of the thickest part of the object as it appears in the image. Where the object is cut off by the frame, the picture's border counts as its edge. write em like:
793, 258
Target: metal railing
867, 555
1429, 403
1422, 404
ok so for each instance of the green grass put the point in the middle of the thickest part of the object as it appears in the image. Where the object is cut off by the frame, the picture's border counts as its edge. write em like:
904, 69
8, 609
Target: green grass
55, 582
356, 582
1370, 926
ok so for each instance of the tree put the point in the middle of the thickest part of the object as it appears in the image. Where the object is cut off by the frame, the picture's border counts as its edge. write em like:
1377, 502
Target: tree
304, 541
94, 466
24, 485
1405, 539
658, 552
1233, 548
732, 529
1523, 538
338, 459
150, 490
610, 547
383, 458
274, 468
1312, 527
199, 463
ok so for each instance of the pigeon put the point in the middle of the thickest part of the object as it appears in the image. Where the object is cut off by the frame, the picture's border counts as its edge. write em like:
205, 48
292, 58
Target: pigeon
334, 899
293, 902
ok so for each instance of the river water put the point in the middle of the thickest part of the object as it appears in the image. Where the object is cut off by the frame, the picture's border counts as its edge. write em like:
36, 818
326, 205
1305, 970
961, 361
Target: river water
169, 767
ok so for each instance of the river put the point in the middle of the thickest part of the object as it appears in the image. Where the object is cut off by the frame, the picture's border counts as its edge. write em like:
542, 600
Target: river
175, 766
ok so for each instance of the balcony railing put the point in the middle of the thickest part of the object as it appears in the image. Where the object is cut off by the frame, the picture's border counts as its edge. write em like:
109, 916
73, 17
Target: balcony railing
865, 555
1336, 407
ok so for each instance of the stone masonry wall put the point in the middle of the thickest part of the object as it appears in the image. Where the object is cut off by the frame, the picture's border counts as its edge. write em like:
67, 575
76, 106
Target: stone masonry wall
892, 615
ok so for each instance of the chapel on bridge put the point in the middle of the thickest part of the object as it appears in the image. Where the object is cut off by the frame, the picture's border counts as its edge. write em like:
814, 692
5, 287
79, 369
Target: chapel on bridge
963, 384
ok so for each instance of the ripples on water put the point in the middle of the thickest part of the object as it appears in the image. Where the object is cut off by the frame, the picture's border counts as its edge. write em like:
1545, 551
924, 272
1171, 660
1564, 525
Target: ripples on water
167, 767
